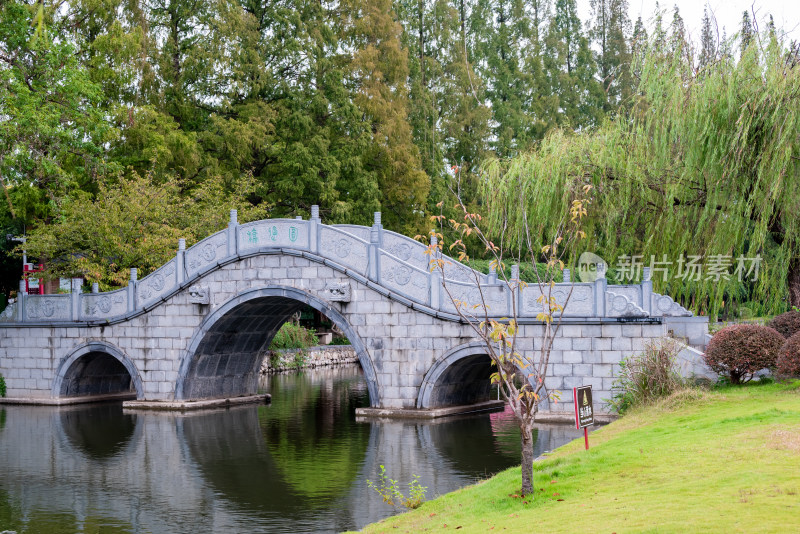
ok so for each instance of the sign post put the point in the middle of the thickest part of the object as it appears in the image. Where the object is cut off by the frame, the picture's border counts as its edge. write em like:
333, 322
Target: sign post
584, 410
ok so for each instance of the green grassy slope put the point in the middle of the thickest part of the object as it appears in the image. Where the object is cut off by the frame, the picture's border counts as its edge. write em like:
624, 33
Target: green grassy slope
720, 461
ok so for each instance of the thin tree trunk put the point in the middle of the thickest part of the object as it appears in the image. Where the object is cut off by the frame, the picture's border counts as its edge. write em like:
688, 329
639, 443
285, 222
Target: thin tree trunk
794, 283
526, 433
5, 190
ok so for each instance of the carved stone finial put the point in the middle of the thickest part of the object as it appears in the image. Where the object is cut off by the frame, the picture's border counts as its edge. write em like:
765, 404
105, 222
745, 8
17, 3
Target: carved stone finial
95, 287
134, 275
515, 272
181, 244
199, 295
234, 217
377, 217
646, 274
315, 212
567, 276
337, 291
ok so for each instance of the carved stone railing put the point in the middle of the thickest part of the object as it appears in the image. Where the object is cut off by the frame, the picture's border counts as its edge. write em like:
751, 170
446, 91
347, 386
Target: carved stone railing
390, 263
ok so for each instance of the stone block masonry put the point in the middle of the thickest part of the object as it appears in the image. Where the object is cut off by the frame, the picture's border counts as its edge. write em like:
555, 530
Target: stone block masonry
294, 359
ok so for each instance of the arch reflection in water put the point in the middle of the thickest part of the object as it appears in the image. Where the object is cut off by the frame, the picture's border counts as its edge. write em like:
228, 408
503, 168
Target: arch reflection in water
299, 465
290, 463
98, 430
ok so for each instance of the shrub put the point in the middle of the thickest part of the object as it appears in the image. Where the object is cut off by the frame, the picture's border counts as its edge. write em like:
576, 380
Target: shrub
293, 336
787, 324
2, 386
392, 495
789, 358
740, 350
645, 377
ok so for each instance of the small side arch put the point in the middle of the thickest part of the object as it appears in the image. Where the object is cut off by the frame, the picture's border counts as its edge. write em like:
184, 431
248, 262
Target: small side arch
222, 319
469, 364
94, 348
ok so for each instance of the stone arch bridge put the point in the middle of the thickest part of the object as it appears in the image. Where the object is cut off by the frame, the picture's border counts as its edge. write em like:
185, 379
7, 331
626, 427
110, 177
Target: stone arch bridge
197, 327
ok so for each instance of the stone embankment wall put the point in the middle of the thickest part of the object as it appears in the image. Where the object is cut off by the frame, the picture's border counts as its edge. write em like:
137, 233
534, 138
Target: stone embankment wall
311, 357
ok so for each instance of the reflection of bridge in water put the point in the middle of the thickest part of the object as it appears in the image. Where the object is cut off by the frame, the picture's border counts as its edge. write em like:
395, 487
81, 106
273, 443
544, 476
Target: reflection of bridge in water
197, 327
250, 468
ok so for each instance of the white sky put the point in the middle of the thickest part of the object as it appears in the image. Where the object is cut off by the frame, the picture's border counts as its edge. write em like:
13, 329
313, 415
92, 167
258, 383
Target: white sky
728, 13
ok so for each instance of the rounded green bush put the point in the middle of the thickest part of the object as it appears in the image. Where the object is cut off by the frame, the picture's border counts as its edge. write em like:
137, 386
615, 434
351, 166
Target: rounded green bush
787, 324
788, 364
740, 350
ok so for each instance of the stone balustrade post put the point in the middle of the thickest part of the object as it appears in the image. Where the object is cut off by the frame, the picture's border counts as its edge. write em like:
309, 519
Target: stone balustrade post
132, 290
95, 288
375, 244
74, 297
647, 290
435, 276
180, 262
233, 234
313, 230
566, 276
492, 277
515, 300
22, 298
600, 285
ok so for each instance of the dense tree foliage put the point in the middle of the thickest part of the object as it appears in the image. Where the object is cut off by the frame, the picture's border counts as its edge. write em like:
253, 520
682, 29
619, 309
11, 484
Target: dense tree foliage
390, 105
705, 168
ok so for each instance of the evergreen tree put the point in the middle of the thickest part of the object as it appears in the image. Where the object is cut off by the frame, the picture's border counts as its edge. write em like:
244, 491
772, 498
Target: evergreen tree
638, 46
570, 69
544, 104
421, 37
708, 44
502, 33
378, 72
678, 42
609, 31
746, 32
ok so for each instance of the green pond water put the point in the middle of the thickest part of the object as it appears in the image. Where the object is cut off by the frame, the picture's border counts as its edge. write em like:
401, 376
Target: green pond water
297, 465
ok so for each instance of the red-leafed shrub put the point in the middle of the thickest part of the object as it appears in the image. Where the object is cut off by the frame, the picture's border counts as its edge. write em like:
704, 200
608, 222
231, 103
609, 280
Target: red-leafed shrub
787, 324
789, 358
740, 350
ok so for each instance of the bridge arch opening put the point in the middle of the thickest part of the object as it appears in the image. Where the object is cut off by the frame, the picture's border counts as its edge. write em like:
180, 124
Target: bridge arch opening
95, 369
460, 377
225, 355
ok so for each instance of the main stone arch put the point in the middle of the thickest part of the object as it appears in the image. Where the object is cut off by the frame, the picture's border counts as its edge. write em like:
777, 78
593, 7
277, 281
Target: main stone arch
459, 377
224, 356
93, 368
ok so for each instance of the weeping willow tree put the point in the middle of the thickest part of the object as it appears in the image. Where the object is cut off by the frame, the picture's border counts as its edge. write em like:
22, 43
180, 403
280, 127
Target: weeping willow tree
706, 162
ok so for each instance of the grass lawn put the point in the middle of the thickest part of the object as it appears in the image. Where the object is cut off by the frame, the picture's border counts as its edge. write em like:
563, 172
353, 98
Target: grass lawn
721, 461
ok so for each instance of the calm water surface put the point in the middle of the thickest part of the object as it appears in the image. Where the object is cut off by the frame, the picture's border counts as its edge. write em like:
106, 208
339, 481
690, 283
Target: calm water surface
297, 465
